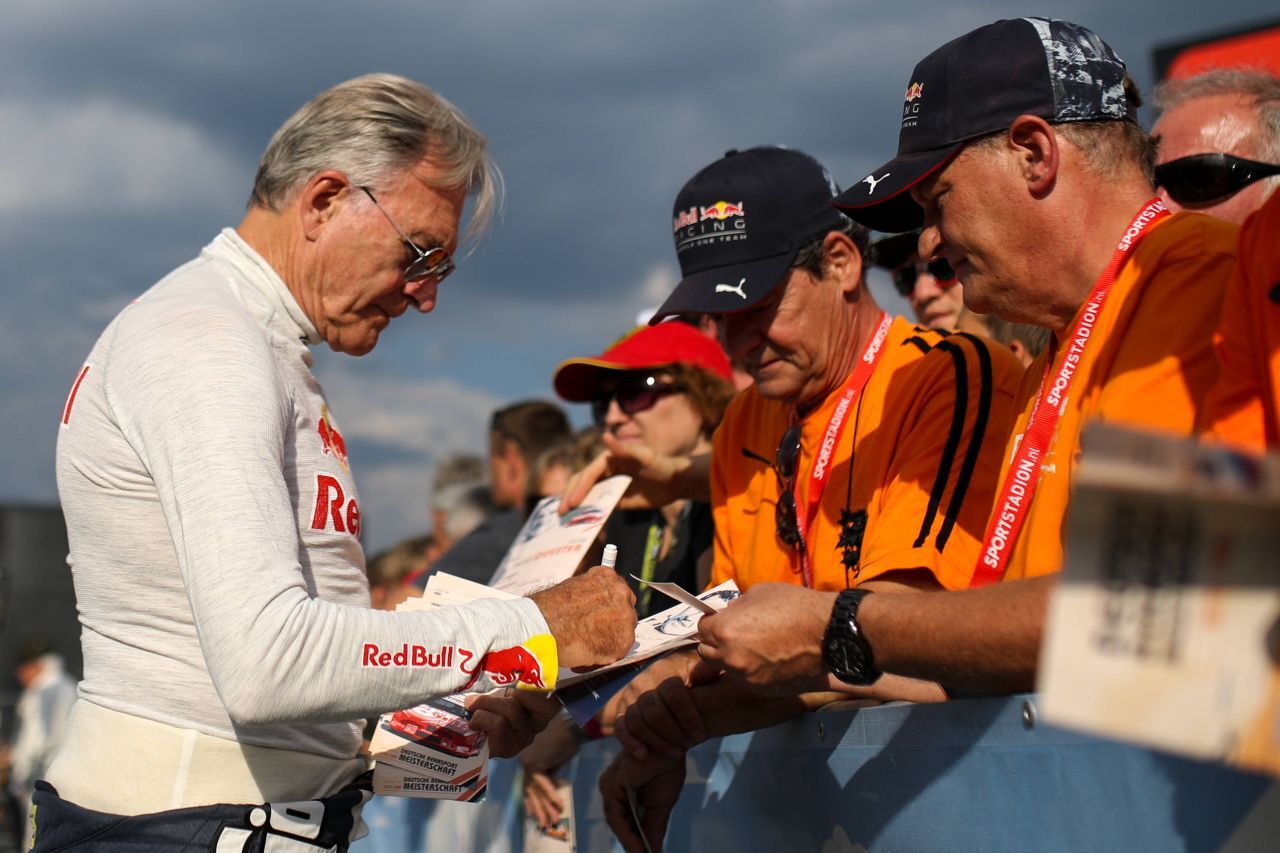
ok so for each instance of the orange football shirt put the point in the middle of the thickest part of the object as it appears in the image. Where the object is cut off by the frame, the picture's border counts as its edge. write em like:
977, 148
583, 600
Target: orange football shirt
1149, 363
1244, 405
923, 443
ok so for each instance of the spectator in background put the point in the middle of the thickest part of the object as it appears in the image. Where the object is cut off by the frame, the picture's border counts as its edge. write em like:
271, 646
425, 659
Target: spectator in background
458, 509
518, 435
1219, 142
664, 387
41, 719
937, 297
388, 571
1025, 340
457, 469
935, 294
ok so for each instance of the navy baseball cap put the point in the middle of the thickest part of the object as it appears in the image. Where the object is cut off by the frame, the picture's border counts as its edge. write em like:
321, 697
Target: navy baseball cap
739, 224
978, 84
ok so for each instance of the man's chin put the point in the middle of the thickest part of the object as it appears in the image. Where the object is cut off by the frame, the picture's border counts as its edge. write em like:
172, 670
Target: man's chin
359, 347
775, 384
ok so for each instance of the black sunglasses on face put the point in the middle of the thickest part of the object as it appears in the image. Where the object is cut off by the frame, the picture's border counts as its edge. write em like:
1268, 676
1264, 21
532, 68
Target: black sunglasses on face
904, 277
1204, 179
633, 396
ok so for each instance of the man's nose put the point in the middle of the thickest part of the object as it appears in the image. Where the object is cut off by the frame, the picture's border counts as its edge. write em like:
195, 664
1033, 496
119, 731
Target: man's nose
930, 244
423, 292
737, 335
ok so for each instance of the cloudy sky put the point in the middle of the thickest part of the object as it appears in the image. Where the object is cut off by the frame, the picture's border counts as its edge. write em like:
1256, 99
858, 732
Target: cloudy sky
131, 131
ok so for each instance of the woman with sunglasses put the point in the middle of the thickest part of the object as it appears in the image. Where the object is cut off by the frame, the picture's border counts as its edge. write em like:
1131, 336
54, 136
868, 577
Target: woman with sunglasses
664, 387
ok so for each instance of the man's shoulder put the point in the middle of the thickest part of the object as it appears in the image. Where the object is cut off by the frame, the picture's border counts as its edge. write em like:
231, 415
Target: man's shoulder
1189, 237
931, 356
192, 305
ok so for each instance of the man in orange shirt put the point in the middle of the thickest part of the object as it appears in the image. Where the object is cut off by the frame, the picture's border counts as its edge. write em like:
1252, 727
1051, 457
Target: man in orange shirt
1244, 406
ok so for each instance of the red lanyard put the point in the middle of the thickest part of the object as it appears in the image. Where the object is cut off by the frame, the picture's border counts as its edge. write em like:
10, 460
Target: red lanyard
818, 478
1026, 467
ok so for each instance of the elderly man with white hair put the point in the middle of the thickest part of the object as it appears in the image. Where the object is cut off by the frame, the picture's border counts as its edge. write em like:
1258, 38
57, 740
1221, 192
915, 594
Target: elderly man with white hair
230, 650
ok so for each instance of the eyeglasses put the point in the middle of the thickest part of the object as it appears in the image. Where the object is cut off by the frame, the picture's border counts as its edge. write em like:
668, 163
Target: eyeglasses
434, 263
1204, 179
904, 277
633, 396
784, 465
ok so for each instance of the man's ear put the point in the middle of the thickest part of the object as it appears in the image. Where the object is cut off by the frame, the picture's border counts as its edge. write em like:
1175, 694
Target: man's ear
320, 199
843, 261
1035, 147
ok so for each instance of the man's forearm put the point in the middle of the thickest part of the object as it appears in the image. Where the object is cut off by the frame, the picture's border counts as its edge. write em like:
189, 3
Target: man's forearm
984, 639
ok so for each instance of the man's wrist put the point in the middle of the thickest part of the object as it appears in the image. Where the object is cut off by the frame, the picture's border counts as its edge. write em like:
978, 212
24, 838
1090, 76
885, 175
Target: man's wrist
846, 651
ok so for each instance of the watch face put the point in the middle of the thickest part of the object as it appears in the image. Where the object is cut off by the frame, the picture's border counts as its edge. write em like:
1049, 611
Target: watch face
856, 660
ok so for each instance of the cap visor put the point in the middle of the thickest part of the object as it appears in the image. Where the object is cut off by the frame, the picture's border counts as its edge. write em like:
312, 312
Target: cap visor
881, 200
578, 380
725, 290
894, 251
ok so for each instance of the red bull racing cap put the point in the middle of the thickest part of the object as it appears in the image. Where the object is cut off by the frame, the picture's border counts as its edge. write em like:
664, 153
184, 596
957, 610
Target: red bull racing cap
579, 380
978, 84
739, 223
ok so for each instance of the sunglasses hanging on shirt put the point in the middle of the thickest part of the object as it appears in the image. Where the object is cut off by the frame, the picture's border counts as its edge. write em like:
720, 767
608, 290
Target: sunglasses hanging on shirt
1205, 179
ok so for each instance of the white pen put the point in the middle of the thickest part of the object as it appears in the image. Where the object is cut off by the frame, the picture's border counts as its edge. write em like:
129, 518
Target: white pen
610, 558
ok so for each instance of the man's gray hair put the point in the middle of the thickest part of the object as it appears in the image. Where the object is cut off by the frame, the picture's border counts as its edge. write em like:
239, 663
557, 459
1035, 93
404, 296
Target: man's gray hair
1261, 88
371, 128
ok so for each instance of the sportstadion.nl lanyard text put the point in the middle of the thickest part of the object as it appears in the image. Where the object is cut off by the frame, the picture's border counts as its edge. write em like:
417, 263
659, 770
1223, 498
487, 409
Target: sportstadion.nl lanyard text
1026, 468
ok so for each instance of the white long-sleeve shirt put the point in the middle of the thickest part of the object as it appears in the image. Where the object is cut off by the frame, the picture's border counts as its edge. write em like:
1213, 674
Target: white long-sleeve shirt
213, 524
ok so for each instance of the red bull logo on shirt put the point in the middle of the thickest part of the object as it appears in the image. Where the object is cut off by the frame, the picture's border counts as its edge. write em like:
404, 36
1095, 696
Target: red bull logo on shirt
331, 441
533, 665
914, 91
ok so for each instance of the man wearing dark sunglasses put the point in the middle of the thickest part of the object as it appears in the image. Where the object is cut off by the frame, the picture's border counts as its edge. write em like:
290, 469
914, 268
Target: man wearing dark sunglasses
215, 525
1219, 138
935, 294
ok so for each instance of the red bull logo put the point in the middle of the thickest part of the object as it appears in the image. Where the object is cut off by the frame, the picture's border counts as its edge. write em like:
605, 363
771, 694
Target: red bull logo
914, 92
331, 441
721, 211
520, 666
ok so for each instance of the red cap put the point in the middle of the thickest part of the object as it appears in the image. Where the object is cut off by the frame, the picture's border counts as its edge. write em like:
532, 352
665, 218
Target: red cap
578, 379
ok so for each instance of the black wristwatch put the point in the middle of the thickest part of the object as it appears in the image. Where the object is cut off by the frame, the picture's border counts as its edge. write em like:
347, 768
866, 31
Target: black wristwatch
845, 650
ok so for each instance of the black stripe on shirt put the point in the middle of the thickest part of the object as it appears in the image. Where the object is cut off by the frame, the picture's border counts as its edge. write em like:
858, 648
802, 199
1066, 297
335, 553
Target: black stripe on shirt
919, 342
976, 440
958, 415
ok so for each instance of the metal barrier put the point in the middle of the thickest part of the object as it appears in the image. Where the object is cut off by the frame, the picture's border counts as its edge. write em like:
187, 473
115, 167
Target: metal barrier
981, 775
